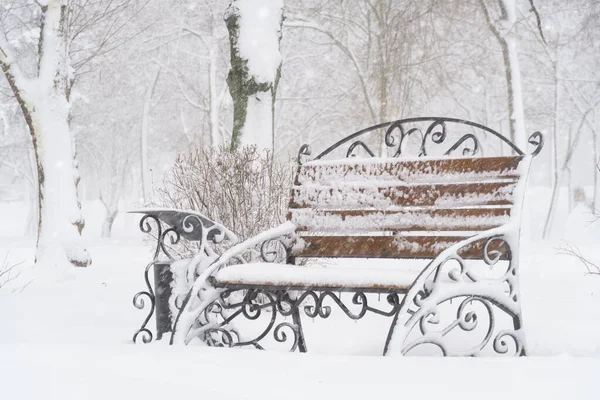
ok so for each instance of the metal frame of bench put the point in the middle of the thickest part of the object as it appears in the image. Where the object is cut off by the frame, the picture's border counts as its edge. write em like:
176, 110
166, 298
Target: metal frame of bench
208, 309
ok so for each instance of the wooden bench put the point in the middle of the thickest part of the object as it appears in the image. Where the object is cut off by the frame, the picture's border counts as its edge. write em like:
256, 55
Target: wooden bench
451, 211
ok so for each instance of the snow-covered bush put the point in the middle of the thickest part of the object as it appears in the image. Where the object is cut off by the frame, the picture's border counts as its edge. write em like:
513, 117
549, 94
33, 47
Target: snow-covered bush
246, 190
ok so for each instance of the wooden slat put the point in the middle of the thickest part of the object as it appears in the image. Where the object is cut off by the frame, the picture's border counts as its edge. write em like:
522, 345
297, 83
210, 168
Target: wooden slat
442, 195
388, 247
465, 219
472, 169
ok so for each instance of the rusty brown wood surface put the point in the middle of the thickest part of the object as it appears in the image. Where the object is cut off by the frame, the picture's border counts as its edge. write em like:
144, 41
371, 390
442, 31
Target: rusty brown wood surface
441, 195
408, 220
414, 170
389, 247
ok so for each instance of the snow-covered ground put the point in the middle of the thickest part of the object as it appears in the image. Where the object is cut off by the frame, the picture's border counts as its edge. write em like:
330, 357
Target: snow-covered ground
69, 337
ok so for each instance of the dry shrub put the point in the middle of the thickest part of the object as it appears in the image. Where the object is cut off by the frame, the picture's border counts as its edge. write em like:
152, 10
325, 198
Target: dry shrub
246, 190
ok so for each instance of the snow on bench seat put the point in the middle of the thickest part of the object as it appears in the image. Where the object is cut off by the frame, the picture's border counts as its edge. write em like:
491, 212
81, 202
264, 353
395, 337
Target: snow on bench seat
301, 277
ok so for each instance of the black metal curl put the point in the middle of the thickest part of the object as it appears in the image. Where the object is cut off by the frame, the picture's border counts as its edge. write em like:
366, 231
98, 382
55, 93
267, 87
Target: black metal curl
270, 256
174, 240
466, 151
281, 337
502, 347
303, 152
390, 141
389, 138
188, 227
219, 235
355, 145
147, 228
536, 139
146, 335
393, 299
437, 137
138, 302
491, 257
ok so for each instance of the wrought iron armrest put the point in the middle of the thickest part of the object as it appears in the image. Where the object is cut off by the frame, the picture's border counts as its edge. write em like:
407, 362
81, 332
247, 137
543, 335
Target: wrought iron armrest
208, 238
202, 294
189, 225
480, 295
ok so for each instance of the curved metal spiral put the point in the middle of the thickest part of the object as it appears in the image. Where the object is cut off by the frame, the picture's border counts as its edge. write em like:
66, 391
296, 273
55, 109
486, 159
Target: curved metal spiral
281, 337
536, 139
174, 237
273, 250
501, 346
146, 227
139, 303
303, 153
437, 137
189, 227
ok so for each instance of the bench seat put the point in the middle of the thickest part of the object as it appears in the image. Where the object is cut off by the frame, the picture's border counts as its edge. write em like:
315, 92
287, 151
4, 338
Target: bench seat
316, 277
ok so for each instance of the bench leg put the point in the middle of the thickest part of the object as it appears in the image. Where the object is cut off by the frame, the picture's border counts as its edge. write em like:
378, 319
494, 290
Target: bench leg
298, 323
139, 303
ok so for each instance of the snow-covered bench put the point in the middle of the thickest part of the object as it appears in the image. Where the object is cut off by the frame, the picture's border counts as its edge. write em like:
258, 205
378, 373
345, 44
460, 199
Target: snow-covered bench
460, 213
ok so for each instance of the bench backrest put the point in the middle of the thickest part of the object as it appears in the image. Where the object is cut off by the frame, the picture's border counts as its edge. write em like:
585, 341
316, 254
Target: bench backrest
398, 208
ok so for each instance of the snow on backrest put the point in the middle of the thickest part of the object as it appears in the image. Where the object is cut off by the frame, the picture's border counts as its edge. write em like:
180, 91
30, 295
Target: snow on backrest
358, 196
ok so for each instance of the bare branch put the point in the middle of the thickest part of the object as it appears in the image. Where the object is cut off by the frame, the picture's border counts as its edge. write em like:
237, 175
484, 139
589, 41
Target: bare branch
534, 10
572, 250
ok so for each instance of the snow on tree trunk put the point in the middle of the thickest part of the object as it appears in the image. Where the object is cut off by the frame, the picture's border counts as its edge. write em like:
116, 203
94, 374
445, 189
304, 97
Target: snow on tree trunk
108, 222
254, 35
511, 60
505, 31
44, 101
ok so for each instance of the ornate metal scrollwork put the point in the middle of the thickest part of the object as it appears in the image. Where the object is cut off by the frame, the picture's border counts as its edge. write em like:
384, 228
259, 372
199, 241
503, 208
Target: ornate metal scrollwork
450, 135
216, 323
482, 294
146, 227
139, 303
169, 227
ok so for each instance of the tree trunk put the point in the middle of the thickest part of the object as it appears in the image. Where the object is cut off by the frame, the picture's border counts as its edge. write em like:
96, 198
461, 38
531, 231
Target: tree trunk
253, 77
146, 179
515, 92
503, 30
111, 214
213, 97
596, 198
44, 102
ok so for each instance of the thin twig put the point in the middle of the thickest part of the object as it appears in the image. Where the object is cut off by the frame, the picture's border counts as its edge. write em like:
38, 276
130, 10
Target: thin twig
572, 250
